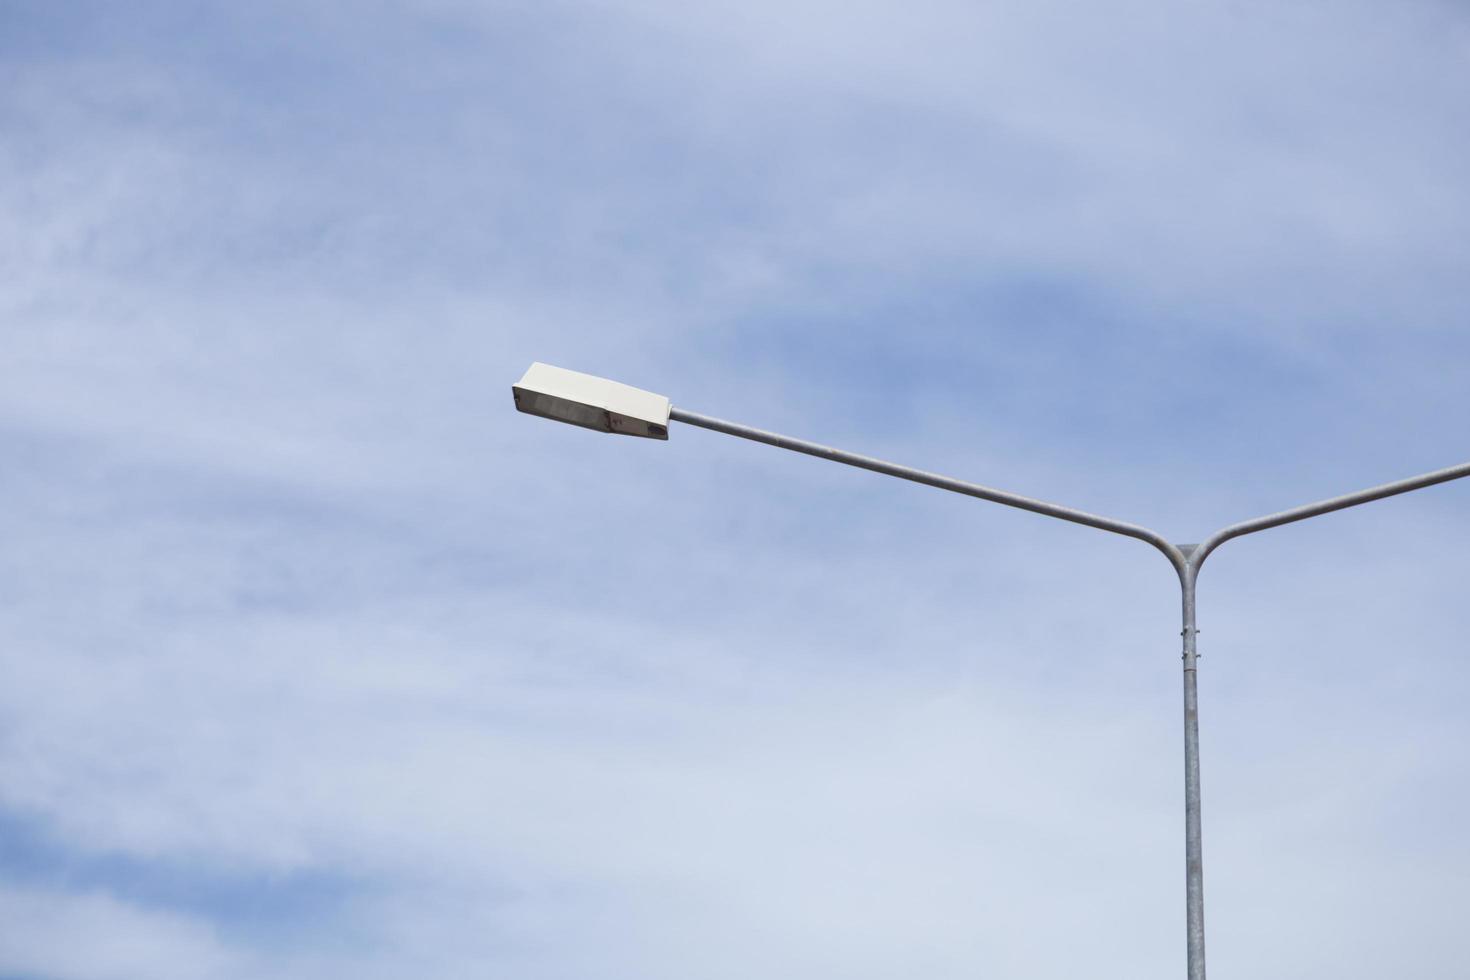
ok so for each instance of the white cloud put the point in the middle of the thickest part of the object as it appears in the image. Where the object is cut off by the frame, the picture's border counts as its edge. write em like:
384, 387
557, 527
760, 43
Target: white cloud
94, 937
288, 593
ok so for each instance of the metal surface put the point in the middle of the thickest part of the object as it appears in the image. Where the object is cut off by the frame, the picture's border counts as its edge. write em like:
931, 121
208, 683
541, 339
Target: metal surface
1194, 860
1187, 560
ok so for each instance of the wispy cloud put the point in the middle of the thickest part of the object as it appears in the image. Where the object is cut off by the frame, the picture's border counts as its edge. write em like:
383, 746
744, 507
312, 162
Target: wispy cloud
320, 661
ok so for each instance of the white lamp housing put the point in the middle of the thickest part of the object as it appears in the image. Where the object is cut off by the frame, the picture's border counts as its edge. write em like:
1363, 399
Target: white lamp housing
594, 403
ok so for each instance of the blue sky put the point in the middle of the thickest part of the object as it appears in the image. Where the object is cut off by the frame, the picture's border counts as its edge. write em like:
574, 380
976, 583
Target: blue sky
322, 662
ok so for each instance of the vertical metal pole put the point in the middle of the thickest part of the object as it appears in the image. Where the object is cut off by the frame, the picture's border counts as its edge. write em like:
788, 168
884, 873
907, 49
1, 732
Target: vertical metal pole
1194, 878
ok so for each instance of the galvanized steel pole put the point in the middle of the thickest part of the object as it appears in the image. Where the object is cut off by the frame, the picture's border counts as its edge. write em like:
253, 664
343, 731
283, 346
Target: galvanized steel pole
1186, 560
1195, 556
1194, 861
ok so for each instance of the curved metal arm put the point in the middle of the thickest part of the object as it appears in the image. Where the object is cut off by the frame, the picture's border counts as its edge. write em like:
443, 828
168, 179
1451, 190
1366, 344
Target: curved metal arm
1175, 556
1214, 541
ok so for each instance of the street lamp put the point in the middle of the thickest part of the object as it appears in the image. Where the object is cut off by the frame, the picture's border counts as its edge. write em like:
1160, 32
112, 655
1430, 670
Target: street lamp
584, 400
593, 403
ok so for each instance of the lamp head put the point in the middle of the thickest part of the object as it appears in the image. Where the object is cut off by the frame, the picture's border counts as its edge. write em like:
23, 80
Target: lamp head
591, 402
